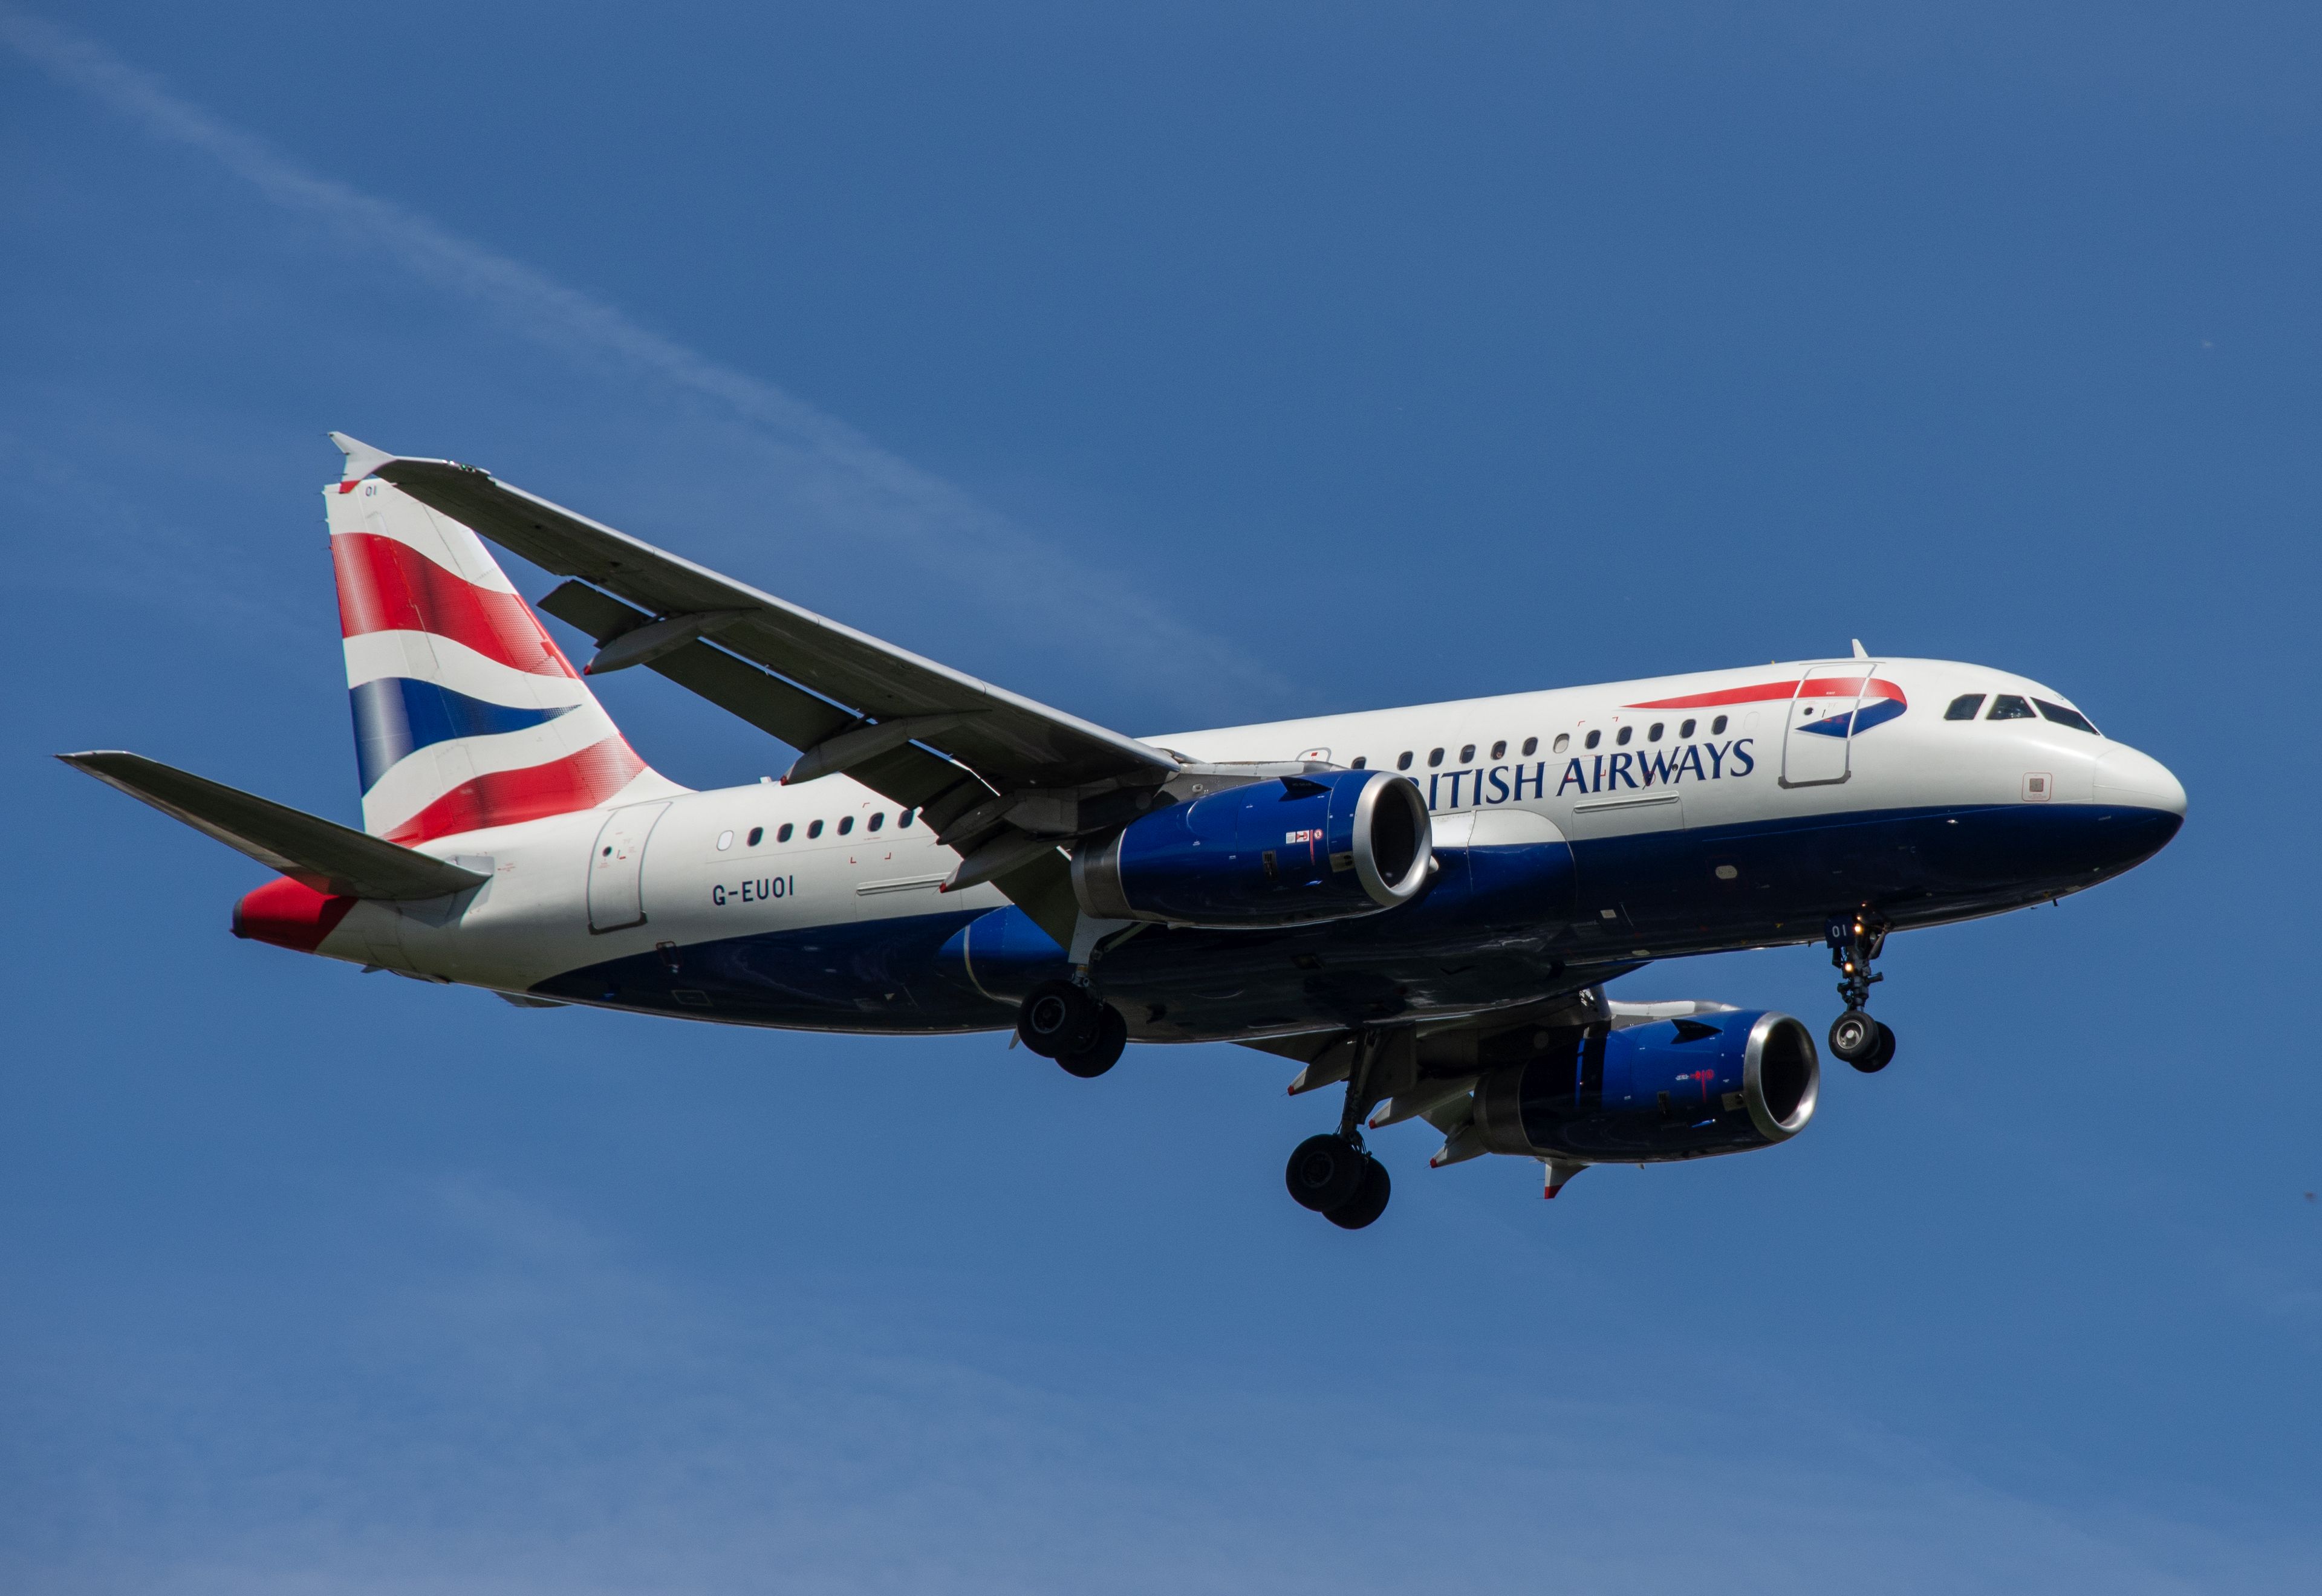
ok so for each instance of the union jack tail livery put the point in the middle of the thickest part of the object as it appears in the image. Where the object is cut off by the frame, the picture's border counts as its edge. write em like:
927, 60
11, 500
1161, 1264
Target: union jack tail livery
466, 714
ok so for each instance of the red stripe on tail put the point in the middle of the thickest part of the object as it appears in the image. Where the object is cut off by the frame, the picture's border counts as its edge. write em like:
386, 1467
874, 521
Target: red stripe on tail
580, 780
386, 585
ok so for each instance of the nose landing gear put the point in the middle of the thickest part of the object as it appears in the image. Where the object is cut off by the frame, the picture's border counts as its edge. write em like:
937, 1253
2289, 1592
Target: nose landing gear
1865, 1043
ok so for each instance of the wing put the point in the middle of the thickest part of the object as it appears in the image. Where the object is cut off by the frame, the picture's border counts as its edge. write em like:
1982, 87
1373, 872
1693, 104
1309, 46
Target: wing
1429, 1070
1000, 778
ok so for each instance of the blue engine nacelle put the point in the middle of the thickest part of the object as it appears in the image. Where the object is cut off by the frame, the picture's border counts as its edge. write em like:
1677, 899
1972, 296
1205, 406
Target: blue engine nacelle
1672, 1088
1321, 847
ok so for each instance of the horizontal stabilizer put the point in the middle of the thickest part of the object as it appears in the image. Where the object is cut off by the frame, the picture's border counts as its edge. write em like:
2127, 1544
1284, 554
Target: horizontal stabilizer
310, 850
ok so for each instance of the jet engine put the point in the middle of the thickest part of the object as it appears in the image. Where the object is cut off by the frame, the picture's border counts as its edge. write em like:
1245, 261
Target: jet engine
1327, 846
1721, 1083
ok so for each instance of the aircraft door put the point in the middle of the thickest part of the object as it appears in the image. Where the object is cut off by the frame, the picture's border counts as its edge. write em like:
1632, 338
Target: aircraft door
616, 868
1818, 742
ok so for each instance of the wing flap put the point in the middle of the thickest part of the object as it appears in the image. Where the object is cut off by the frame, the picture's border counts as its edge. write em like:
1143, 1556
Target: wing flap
909, 775
314, 852
1010, 741
767, 702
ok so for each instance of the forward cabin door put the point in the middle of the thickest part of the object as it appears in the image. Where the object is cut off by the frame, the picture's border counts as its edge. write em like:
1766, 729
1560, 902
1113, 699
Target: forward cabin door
616, 868
1818, 742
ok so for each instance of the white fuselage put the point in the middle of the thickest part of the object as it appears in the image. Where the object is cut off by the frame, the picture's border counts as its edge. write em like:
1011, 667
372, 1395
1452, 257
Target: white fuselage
770, 861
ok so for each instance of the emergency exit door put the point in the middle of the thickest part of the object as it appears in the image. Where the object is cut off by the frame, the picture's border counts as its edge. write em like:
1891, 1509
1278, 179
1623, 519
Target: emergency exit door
1818, 742
616, 868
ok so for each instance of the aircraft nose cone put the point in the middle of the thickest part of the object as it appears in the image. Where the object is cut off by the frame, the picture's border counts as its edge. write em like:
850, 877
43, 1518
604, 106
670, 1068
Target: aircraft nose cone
2137, 780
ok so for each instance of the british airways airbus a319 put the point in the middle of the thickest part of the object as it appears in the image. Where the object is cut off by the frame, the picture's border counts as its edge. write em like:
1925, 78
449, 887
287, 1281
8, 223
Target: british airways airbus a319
1421, 906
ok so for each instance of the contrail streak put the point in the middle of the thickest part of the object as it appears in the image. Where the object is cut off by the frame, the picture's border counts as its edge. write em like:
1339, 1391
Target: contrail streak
942, 523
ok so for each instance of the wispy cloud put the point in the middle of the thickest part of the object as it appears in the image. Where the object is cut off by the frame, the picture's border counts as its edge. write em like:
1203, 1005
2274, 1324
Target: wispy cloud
879, 496
523, 1403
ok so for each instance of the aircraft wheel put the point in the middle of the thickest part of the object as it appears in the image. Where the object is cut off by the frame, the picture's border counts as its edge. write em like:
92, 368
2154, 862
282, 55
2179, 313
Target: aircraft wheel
1057, 1018
1881, 1054
1325, 1173
1370, 1200
1104, 1051
1854, 1037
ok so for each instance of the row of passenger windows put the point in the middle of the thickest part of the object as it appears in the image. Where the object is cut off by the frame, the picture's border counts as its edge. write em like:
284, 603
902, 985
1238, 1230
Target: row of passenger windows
2013, 706
784, 832
1621, 739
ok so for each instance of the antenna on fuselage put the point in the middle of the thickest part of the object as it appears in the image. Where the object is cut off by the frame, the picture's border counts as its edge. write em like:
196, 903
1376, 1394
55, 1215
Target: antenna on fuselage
1858, 648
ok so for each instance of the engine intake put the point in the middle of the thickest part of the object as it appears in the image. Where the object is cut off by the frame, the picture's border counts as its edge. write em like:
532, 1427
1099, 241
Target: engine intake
1323, 847
1674, 1088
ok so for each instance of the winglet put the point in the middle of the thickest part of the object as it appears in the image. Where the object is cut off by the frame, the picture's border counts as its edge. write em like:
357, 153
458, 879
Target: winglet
362, 460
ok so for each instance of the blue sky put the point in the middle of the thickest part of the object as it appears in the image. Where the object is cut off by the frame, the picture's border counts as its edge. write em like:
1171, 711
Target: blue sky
1178, 368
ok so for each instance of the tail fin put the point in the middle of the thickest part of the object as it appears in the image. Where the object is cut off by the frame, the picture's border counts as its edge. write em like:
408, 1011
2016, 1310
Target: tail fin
466, 714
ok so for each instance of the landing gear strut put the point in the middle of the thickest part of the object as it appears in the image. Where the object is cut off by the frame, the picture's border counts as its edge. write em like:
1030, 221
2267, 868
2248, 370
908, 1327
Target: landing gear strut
1066, 1022
1334, 1174
1855, 940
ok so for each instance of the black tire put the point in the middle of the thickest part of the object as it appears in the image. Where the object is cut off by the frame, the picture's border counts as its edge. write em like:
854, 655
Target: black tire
1854, 1037
1111, 1036
1058, 1017
1370, 1200
1324, 1172
1881, 1054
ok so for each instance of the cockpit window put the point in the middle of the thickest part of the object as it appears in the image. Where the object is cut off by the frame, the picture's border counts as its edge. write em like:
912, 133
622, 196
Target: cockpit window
1964, 707
2066, 717
2008, 707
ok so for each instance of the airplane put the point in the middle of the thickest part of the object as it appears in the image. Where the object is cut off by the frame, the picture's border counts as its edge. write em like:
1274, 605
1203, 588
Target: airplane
1419, 906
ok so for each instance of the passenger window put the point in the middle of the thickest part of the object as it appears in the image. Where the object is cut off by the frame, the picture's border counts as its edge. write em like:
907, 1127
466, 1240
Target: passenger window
1626, 733
1434, 757
2008, 707
1403, 760
1500, 749
725, 841
1531, 746
1563, 741
878, 820
757, 836
1717, 728
846, 824
1655, 734
784, 835
1361, 760
1964, 707
2066, 717
1685, 730
813, 829
903, 821
1594, 738
1467, 755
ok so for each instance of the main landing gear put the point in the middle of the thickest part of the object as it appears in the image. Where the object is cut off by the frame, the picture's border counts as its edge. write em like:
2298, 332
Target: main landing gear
1854, 1036
1335, 1177
1066, 1022
1334, 1174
